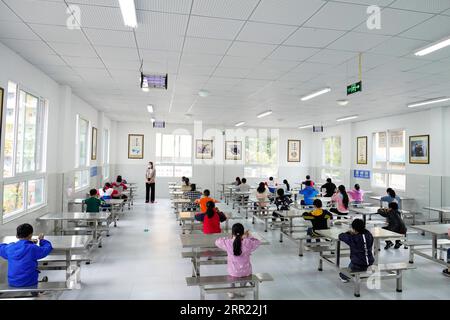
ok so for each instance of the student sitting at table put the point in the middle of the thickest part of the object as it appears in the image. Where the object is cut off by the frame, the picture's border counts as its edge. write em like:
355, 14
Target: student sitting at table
286, 186
360, 241
192, 195
262, 197
237, 181
282, 202
319, 219
204, 200
93, 203
395, 223
356, 194
239, 248
308, 178
244, 186
107, 192
23, 257
329, 187
392, 197
120, 186
342, 200
186, 186
308, 194
446, 272
211, 218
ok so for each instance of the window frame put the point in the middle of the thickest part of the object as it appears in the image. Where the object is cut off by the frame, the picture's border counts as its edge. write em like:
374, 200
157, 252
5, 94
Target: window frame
259, 165
79, 169
172, 164
106, 153
327, 167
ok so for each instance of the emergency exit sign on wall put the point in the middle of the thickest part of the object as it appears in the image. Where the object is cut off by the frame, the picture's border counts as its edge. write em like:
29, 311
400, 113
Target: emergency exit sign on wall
355, 87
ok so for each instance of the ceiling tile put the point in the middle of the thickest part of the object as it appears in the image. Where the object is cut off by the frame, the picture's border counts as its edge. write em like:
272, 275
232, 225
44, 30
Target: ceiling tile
359, 42
174, 6
293, 12
161, 24
433, 29
84, 62
249, 49
313, 37
159, 42
338, 16
72, 49
102, 18
40, 11
59, 34
207, 46
200, 59
28, 47
214, 28
232, 72
332, 56
232, 9
434, 6
6, 14
293, 53
100, 37
238, 62
265, 33
16, 30
397, 46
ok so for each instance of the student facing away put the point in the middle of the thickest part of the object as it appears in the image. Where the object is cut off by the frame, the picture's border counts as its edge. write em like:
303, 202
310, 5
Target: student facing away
392, 197
357, 194
342, 200
23, 257
446, 271
211, 219
319, 219
186, 186
330, 188
239, 248
282, 202
308, 178
204, 200
308, 194
93, 203
360, 241
395, 223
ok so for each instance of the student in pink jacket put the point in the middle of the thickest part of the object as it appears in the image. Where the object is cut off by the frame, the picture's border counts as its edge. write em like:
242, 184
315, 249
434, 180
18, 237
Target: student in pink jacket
342, 200
357, 195
239, 249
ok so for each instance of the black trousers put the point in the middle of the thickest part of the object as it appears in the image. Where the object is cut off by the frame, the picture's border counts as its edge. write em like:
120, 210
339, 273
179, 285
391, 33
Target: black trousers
150, 191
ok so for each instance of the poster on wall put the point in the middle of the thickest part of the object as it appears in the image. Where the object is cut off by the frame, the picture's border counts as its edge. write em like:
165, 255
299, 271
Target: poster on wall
1, 114
204, 149
361, 150
294, 150
233, 150
135, 146
419, 149
94, 144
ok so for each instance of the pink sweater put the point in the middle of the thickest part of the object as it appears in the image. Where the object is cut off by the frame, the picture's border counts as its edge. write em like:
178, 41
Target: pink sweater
239, 266
339, 199
356, 195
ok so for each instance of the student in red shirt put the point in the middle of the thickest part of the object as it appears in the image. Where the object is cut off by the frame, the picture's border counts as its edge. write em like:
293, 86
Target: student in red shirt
211, 219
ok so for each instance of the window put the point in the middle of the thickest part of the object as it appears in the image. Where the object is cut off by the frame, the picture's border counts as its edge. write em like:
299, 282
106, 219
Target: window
81, 179
261, 157
389, 159
105, 154
24, 152
173, 155
331, 152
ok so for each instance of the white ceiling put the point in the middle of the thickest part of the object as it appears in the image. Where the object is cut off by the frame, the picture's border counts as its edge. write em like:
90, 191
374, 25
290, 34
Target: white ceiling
252, 55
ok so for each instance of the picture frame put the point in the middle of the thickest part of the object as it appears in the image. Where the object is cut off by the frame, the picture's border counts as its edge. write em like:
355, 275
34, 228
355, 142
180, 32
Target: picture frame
135, 146
94, 144
361, 150
419, 149
233, 150
2, 92
294, 150
204, 149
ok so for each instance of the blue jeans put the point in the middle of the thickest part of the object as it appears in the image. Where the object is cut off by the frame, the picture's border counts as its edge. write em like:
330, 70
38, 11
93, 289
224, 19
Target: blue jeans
353, 268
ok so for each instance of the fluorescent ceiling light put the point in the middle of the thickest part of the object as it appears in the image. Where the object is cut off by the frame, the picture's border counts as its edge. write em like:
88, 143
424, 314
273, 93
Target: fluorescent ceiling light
239, 124
315, 94
150, 108
434, 47
347, 118
342, 102
128, 13
152, 119
306, 126
426, 102
203, 93
261, 115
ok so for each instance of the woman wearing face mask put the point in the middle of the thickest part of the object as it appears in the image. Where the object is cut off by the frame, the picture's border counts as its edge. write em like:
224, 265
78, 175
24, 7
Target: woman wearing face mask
150, 183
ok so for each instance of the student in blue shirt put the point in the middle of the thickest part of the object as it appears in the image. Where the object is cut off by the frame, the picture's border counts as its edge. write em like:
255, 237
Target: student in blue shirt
23, 257
392, 197
308, 194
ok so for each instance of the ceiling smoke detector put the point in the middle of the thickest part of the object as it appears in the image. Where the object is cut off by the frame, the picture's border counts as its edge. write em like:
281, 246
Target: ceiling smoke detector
342, 102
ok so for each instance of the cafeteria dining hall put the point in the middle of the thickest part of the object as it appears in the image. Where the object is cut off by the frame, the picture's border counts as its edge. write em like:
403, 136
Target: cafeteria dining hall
225, 158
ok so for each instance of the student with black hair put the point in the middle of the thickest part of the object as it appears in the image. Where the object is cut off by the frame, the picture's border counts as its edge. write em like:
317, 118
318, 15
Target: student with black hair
192, 195
319, 219
392, 197
204, 200
239, 248
262, 197
342, 200
186, 186
309, 193
356, 194
360, 241
93, 203
308, 178
282, 202
395, 223
211, 219
237, 181
329, 187
286, 186
23, 257
243, 187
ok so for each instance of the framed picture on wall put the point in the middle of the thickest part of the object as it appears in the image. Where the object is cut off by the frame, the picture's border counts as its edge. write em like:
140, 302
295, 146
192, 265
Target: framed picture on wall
1, 114
294, 151
135, 146
233, 150
94, 144
419, 149
361, 150
204, 149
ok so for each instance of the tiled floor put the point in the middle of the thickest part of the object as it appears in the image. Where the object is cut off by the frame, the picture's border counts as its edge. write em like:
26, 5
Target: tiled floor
134, 264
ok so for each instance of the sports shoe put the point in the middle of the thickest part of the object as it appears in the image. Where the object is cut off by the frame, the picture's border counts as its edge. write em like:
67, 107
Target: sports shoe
398, 245
231, 295
44, 279
388, 245
446, 273
343, 278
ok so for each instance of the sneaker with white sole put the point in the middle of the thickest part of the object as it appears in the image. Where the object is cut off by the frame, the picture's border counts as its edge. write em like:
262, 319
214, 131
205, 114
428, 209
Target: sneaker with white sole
446, 273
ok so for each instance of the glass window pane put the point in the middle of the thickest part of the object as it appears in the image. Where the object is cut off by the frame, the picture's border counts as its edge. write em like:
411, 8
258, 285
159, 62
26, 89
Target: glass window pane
29, 139
397, 181
168, 147
13, 198
185, 149
180, 171
106, 146
164, 171
379, 150
397, 154
158, 147
10, 119
379, 180
83, 143
331, 152
35, 192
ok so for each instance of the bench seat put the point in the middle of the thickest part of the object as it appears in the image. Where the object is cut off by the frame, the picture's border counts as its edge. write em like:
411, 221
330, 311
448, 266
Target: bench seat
204, 254
41, 287
59, 258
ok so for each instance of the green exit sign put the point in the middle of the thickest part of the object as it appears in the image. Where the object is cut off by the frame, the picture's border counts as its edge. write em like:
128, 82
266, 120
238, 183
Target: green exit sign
355, 87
